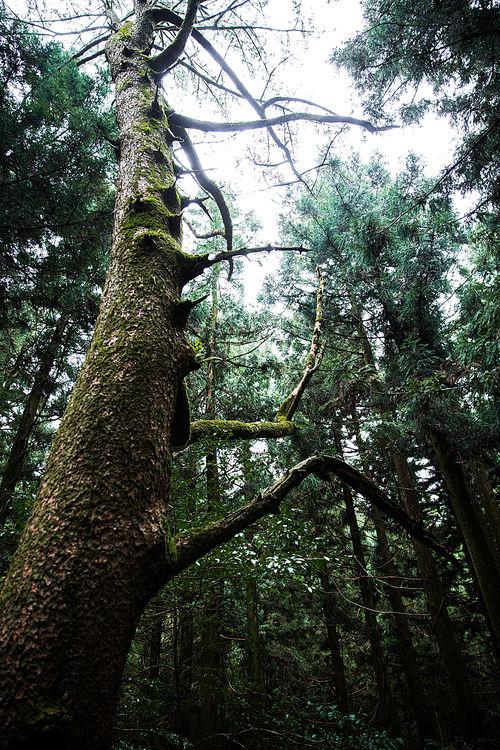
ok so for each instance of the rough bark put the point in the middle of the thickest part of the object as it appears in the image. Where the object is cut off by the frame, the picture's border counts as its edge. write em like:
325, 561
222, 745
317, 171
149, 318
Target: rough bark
96, 547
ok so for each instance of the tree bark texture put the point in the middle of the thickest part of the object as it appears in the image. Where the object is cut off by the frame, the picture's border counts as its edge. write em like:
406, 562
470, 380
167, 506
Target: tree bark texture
96, 547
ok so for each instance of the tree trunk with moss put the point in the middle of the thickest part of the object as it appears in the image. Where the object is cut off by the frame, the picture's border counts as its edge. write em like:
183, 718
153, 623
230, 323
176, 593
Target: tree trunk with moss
97, 546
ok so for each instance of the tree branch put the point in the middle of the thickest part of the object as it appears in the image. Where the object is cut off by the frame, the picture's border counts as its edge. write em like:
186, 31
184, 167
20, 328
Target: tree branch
206, 184
190, 546
199, 263
162, 62
289, 406
282, 426
233, 127
167, 15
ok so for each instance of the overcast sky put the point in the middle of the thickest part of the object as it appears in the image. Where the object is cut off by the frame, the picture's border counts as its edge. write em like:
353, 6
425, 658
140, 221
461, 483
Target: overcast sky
306, 74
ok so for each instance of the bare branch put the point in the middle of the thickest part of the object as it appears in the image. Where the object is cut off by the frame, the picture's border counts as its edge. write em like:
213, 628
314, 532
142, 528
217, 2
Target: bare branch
209, 81
234, 127
289, 406
162, 62
164, 14
197, 264
204, 235
205, 182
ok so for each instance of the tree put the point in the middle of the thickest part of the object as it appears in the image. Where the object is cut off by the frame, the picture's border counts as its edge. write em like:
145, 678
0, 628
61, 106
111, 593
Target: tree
97, 545
413, 57
57, 201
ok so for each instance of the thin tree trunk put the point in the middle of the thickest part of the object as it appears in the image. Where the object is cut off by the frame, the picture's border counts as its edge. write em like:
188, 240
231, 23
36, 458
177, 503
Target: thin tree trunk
155, 634
211, 669
466, 710
488, 500
425, 723
485, 564
211, 661
379, 664
40, 387
338, 674
255, 676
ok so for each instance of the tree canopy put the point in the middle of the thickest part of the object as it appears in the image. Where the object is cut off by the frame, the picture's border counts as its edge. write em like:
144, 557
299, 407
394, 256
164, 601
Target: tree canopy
263, 526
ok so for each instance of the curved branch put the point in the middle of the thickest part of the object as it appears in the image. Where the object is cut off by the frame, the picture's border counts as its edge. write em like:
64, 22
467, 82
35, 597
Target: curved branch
190, 546
162, 62
233, 127
205, 182
289, 407
199, 263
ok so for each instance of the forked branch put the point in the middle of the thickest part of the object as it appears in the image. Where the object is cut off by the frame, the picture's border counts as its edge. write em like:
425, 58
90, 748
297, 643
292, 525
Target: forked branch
281, 426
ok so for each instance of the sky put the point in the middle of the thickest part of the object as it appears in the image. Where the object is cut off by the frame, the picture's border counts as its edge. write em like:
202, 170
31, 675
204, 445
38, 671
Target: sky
306, 74
311, 76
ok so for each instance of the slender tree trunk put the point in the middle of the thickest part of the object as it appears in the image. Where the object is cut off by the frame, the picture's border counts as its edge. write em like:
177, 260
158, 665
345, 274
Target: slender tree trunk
211, 669
379, 664
425, 724
488, 500
97, 547
458, 680
155, 634
255, 676
485, 564
211, 660
183, 669
338, 674
40, 387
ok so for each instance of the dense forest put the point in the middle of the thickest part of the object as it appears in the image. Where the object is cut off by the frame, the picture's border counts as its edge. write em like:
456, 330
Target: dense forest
226, 522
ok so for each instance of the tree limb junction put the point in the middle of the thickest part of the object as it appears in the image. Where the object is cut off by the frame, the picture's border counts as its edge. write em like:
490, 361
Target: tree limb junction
190, 546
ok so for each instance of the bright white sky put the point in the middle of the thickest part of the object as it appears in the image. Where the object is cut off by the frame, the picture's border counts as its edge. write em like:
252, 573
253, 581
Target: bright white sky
312, 77
308, 76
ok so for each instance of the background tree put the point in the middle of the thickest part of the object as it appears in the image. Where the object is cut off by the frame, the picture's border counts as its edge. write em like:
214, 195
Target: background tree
55, 228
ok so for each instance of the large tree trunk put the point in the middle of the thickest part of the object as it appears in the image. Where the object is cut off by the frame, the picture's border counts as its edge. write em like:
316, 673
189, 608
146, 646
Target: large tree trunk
96, 546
